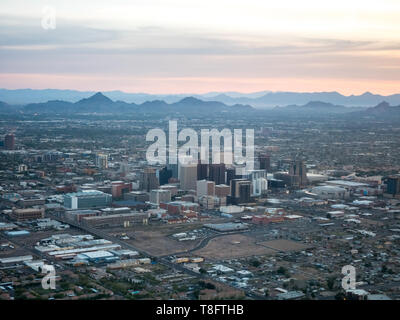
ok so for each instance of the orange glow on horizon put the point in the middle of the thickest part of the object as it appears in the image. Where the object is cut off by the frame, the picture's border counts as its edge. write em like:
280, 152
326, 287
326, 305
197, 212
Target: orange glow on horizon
193, 85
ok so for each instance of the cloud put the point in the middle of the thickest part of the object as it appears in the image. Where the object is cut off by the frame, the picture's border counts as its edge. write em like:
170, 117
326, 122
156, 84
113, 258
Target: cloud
74, 38
95, 43
30, 34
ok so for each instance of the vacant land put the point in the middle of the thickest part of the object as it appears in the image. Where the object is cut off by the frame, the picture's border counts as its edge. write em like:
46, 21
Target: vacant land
158, 244
231, 247
284, 245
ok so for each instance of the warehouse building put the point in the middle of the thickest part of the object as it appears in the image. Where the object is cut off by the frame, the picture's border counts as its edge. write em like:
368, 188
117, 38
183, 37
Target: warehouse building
330, 192
122, 220
15, 259
97, 256
177, 207
78, 215
18, 233
227, 227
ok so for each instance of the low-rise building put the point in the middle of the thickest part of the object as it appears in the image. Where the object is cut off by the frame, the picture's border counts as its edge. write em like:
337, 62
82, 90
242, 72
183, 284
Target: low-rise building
27, 214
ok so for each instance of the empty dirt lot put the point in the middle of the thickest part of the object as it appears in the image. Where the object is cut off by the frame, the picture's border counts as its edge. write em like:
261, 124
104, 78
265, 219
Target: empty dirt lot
232, 246
158, 244
284, 245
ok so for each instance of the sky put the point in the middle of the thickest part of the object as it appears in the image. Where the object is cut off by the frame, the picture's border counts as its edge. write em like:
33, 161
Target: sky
184, 46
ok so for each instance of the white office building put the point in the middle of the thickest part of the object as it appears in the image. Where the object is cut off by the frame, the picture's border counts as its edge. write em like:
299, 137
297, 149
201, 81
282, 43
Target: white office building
158, 196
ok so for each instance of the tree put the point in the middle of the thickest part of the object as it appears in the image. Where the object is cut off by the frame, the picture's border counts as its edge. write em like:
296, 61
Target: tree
210, 286
281, 270
255, 263
331, 282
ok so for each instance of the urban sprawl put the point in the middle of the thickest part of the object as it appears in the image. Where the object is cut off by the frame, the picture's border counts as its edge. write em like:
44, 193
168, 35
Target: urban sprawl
77, 193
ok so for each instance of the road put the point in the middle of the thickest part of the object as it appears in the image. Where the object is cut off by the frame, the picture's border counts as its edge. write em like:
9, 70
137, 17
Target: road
163, 260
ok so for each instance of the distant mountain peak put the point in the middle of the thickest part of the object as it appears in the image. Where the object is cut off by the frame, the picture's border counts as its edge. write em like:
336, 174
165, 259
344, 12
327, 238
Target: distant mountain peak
384, 109
382, 105
190, 100
100, 96
97, 98
318, 104
367, 94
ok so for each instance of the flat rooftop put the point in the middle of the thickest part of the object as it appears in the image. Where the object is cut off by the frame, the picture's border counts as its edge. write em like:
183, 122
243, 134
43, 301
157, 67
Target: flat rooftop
346, 183
225, 227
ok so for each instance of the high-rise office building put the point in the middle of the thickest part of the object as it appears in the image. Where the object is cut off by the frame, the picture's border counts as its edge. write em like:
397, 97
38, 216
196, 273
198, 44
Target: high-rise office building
217, 173
298, 172
202, 171
259, 182
164, 175
265, 162
222, 191
230, 175
160, 196
205, 188
148, 179
172, 188
188, 176
174, 169
9, 142
240, 191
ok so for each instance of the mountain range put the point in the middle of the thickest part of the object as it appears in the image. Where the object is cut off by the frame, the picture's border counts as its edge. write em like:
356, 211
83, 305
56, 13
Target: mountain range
318, 107
272, 99
99, 103
383, 110
315, 108
262, 99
